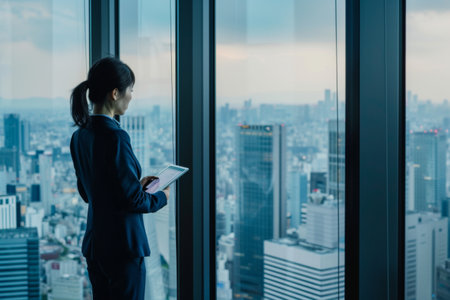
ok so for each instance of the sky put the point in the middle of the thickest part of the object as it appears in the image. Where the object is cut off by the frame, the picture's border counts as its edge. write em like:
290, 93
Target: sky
267, 50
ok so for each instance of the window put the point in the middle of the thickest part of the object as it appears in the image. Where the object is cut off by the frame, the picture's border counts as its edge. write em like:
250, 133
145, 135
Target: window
147, 46
43, 55
427, 264
280, 149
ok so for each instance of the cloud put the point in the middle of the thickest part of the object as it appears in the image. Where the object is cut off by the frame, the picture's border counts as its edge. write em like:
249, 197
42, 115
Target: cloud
254, 21
428, 5
294, 73
428, 54
49, 25
28, 71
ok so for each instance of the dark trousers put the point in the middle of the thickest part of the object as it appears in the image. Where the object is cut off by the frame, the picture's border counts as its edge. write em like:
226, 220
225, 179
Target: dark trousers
117, 279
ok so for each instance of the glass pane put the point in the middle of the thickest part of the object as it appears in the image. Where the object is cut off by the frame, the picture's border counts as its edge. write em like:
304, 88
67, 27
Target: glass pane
43, 55
280, 149
147, 46
427, 268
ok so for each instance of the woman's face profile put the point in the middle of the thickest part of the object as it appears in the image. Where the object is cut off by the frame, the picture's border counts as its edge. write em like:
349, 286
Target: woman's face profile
121, 104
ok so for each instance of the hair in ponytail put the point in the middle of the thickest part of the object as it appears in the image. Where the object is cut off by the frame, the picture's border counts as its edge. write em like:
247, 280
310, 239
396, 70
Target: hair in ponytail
104, 76
79, 105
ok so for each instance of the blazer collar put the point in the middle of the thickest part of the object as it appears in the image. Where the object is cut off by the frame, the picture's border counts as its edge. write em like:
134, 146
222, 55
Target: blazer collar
100, 120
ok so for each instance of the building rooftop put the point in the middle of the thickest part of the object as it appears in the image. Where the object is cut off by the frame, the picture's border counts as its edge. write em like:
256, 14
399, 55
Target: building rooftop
19, 233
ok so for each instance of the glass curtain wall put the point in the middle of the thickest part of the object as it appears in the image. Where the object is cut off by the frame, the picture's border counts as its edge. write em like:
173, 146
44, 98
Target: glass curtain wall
147, 46
427, 264
280, 149
43, 56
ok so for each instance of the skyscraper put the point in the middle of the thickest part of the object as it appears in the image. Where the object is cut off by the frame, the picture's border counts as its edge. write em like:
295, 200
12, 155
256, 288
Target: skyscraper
10, 160
297, 188
45, 180
8, 212
324, 221
429, 159
12, 131
19, 264
336, 159
443, 281
318, 182
294, 270
24, 136
261, 203
426, 243
138, 129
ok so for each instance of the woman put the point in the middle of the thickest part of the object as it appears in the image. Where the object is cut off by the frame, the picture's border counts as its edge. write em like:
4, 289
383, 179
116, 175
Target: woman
108, 173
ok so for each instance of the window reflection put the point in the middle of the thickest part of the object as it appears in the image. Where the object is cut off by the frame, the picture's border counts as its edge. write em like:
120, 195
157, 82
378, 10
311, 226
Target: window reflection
43, 54
280, 150
427, 268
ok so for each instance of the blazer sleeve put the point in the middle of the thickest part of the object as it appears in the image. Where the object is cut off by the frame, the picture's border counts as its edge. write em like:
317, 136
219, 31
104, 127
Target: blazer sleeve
82, 191
126, 181
80, 187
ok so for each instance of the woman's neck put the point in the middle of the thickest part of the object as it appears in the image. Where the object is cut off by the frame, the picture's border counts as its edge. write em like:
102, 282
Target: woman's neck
103, 111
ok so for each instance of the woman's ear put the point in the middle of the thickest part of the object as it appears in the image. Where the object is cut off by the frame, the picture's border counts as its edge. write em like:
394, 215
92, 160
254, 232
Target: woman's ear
115, 94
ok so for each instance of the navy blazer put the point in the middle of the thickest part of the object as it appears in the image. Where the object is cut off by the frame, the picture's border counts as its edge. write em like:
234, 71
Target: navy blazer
108, 179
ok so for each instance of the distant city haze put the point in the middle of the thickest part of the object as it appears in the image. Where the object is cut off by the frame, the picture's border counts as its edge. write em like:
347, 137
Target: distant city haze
289, 62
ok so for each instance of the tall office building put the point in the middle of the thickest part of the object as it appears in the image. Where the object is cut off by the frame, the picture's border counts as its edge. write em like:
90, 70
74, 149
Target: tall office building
8, 212
224, 291
19, 264
11, 123
10, 160
336, 159
260, 205
426, 242
33, 218
3, 180
45, 180
443, 281
318, 182
325, 221
11, 126
429, 157
294, 270
297, 195
24, 136
139, 131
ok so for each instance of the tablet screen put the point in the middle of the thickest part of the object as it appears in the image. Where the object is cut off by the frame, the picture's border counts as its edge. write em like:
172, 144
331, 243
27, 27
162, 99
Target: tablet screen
165, 178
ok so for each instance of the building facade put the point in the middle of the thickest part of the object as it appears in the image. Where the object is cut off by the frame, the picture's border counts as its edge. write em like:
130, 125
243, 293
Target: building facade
19, 264
260, 205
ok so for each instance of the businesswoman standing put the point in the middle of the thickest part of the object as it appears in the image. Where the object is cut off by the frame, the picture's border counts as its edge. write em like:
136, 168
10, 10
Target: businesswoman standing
108, 179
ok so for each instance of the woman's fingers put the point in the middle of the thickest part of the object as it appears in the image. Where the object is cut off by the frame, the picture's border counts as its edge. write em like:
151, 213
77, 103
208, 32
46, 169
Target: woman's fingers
147, 179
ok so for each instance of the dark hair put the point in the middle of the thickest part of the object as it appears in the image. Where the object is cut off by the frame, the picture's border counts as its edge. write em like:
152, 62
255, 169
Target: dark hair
104, 76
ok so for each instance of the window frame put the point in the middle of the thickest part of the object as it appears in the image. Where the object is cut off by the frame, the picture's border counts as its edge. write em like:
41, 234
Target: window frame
195, 149
375, 137
375, 140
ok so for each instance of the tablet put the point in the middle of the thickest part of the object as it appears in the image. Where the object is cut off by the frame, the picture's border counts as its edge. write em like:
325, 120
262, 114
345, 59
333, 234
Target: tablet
165, 178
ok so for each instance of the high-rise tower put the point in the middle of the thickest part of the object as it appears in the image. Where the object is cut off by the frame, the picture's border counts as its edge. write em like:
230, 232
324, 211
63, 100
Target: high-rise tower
429, 156
261, 203
336, 159
19, 264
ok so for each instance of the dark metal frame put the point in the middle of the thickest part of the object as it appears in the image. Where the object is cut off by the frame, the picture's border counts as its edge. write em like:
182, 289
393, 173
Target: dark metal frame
104, 29
195, 148
375, 141
375, 147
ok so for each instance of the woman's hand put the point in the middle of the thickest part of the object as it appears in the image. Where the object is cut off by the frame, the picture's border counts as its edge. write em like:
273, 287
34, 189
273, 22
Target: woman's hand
146, 180
166, 191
